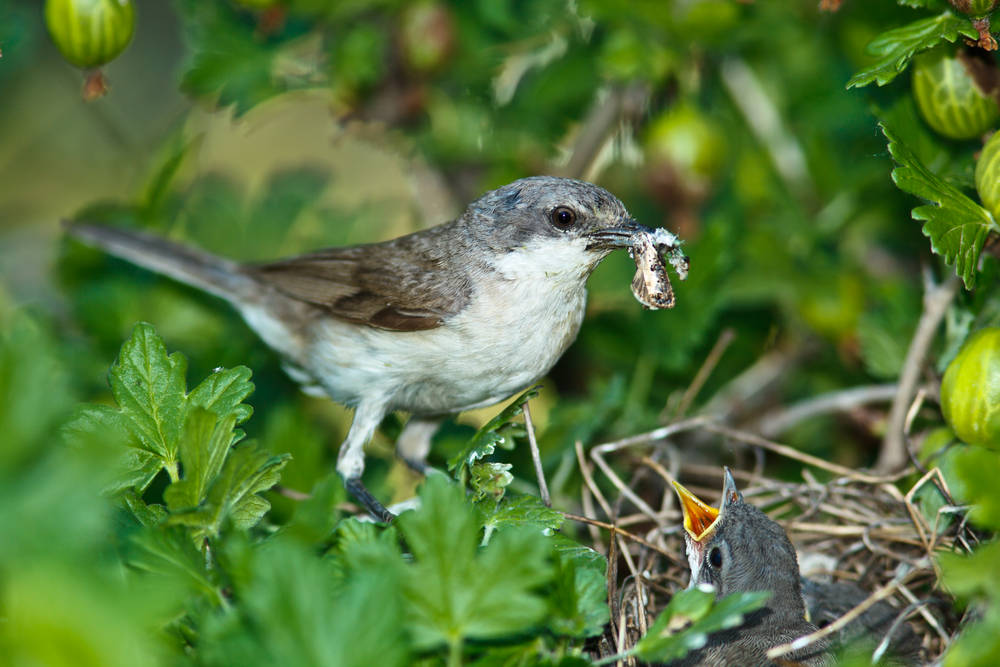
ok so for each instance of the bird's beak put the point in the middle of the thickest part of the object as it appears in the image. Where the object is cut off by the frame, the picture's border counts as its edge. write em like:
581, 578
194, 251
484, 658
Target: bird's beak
619, 236
699, 517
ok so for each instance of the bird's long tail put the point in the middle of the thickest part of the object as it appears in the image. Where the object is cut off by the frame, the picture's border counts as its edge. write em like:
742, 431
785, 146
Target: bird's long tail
216, 275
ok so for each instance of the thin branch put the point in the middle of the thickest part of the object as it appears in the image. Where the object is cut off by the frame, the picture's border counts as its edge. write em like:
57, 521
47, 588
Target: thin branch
839, 624
727, 336
792, 453
744, 392
654, 435
937, 298
600, 123
615, 530
290, 493
536, 457
588, 479
777, 422
623, 488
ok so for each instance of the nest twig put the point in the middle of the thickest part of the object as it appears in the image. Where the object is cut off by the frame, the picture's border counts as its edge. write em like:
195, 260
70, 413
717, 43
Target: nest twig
855, 526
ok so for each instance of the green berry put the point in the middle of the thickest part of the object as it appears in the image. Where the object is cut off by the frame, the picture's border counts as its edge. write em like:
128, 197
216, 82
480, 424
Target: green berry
949, 99
90, 33
684, 138
988, 175
970, 391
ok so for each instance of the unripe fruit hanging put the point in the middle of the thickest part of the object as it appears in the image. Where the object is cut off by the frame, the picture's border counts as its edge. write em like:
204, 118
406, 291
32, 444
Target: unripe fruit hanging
988, 175
948, 97
970, 391
90, 33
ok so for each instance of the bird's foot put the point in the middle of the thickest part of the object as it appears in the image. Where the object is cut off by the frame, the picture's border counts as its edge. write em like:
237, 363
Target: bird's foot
363, 496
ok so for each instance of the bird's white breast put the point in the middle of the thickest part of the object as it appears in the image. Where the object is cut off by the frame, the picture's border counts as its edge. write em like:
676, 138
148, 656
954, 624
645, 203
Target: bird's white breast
520, 319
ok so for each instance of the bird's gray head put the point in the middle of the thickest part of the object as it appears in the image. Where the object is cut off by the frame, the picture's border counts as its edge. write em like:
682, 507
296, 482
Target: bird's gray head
737, 548
543, 213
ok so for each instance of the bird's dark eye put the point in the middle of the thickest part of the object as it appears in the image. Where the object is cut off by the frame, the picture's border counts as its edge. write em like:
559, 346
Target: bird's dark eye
715, 558
563, 217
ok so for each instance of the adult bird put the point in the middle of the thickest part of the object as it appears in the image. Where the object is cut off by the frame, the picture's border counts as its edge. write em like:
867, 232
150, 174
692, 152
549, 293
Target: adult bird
455, 317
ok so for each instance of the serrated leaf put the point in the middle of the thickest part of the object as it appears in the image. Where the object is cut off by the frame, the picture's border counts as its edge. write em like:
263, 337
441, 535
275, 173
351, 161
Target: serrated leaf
161, 425
294, 608
486, 439
248, 470
578, 598
168, 552
147, 515
148, 386
523, 511
203, 449
691, 616
458, 592
896, 47
956, 225
133, 468
223, 392
227, 60
315, 517
582, 555
490, 480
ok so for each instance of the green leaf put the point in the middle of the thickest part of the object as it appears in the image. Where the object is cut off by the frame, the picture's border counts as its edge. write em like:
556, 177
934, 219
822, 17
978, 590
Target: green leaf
956, 226
168, 552
491, 435
584, 556
223, 393
490, 480
148, 515
228, 62
578, 599
978, 644
132, 468
690, 617
160, 425
248, 470
896, 47
296, 609
203, 450
315, 517
33, 387
522, 511
458, 592
148, 386
976, 468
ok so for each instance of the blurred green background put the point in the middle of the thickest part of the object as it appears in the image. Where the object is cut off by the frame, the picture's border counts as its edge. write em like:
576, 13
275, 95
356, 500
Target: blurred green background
257, 136
259, 129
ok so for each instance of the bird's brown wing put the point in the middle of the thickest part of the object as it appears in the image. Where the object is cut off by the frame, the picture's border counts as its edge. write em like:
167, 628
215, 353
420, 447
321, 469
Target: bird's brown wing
402, 285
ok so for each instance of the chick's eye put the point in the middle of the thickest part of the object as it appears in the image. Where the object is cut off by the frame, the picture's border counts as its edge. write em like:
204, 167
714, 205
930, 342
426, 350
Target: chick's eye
563, 217
715, 558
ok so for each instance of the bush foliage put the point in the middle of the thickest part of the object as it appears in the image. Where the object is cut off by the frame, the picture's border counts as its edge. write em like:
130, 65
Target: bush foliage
157, 518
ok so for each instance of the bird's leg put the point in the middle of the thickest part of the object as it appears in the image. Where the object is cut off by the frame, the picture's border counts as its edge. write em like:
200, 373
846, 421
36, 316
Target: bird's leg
351, 459
414, 443
370, 503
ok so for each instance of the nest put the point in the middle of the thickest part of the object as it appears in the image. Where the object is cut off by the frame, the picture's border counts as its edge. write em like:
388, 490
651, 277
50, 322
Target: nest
854, 527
